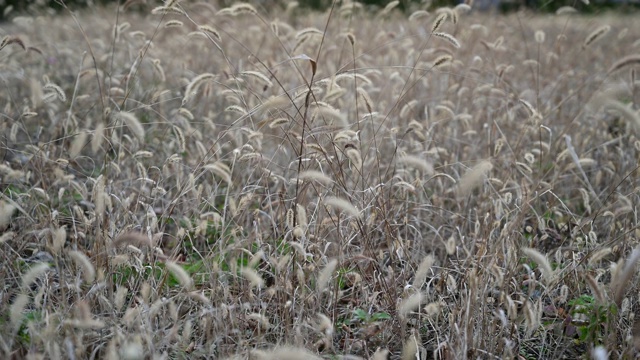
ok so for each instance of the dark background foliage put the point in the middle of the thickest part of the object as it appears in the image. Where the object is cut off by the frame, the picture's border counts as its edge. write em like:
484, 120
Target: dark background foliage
9, 8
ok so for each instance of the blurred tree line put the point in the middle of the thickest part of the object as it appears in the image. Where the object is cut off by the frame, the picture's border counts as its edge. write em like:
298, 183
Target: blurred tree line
10, 7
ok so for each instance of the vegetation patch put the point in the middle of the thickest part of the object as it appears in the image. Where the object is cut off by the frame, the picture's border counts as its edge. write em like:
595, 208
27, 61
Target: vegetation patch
209, 180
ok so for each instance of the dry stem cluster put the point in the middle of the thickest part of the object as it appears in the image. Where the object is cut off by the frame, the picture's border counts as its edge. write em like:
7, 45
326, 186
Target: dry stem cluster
198, 181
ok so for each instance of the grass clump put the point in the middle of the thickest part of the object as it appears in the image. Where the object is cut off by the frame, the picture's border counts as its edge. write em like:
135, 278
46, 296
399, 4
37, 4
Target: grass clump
203, 181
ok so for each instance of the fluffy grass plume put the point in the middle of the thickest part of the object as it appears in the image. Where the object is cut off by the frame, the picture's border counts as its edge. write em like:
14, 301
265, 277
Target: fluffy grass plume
301, 216
437, 23
342, 205
598, 255
220, 171
596, 35
449, 38
98, 137
410, 349
57, 90
136, 239
59, 240
418, 14
442, 61
33, 274
543, 263
417, 163
314, 175
423, 270
6, 212
99, 196
325, 275
193, 86
629, 60
255, 280
16, 311
183, 277
132, 122
474, 177
625, 111
409, 304
77, 144
82, 261
380, 354
622, 278
289, 353
7, 236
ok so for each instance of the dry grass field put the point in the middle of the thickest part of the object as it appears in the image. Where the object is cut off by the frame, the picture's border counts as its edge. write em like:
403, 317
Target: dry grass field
193, 181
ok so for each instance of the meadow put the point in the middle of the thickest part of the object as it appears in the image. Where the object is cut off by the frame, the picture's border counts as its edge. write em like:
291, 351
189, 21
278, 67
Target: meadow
201, 181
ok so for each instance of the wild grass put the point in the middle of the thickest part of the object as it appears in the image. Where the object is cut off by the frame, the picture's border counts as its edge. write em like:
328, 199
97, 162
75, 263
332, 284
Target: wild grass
195, 181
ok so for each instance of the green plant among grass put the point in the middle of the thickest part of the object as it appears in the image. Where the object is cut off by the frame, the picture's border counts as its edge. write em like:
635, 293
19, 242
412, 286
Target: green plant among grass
360, 320
360, 315
590, 319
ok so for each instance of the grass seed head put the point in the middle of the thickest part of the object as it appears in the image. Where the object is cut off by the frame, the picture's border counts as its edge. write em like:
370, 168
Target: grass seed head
88, 271
440, 19
449, 38
132, 122
6, 213
343, 205
474, 177
597, 34
325, 275
255, 280
180, 274
34, 272
630, 60
423, 270
16, 311
622, 277
542, 261
409, 304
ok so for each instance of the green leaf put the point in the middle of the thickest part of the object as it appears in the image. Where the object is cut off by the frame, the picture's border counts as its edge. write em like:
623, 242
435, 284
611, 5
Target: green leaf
380, 316
361, 314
